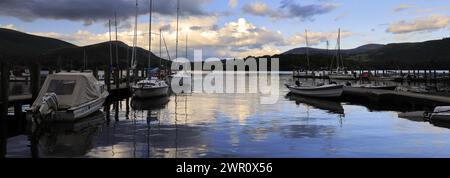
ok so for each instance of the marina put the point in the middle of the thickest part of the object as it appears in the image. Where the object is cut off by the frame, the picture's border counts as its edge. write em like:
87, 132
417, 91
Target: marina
218, 125
186, 79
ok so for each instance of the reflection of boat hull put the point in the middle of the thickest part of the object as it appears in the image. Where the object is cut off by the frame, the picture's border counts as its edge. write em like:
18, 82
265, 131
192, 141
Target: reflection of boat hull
156, 103
72, 139
328, 91
151, 92
331, 106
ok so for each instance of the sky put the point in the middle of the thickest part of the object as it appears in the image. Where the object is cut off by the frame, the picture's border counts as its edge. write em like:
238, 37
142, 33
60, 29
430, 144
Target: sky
233, 28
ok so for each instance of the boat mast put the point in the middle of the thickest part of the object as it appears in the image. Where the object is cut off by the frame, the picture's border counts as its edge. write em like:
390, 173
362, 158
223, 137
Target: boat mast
186, 45
150, 35
307, 49
133, 58
110, 47
339, 50
178, 18
160, 46
117, 42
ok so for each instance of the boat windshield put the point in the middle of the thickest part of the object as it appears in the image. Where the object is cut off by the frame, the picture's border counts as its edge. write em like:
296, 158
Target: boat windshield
61, 87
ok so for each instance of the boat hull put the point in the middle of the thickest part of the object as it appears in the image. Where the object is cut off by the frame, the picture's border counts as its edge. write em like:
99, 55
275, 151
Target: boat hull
151, 92
74, 113
320, 92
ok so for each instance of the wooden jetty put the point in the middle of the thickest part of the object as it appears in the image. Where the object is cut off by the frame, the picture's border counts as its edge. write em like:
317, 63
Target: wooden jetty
375, 95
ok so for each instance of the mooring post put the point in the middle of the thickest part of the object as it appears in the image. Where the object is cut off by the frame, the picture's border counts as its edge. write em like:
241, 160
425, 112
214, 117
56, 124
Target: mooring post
35, 80
4, 99
95, 73
128, 77
116, 76
107, 79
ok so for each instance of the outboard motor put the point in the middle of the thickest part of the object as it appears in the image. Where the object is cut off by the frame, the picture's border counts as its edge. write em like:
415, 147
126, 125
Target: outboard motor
47, 107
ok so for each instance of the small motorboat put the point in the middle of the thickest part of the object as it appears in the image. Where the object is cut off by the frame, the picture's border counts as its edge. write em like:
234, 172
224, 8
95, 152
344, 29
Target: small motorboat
68, 97
318, 91
440, 114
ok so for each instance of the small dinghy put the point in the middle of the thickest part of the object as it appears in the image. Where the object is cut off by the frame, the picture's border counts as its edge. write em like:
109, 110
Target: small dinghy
441, 113
318, 91
68, 97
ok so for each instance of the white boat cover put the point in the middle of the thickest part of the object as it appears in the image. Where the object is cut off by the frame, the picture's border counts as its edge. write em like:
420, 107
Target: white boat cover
72, 89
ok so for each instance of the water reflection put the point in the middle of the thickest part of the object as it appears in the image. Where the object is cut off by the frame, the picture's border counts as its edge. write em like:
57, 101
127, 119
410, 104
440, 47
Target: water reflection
331, 106
65, 139
237, 125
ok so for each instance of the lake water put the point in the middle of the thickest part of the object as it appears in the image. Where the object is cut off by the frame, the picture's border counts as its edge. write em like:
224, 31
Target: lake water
237, 125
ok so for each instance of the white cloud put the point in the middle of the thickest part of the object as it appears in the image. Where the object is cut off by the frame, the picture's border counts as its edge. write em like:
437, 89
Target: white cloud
9, 26
315, 38
430, 23
402, 7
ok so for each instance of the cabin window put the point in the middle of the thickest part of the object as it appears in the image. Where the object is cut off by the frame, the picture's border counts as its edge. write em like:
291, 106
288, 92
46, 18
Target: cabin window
61, 87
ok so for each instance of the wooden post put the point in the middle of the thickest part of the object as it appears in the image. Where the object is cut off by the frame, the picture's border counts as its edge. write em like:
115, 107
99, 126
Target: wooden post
4, 108
35, 80
116, 77
128, 77
95, 73
107, 79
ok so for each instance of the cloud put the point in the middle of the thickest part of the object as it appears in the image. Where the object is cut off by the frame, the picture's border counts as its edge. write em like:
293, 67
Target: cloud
402, 7
433, 22
91, 11
341, 16
315, 38
9, 26
288, 9
233, 3
257, 8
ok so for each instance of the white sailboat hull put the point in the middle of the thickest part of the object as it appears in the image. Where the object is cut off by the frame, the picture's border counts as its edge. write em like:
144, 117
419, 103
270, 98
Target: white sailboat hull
330, 91
151, 92
342, 77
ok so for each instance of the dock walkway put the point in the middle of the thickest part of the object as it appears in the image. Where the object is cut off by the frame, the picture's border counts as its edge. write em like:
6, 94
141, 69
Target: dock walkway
378, 95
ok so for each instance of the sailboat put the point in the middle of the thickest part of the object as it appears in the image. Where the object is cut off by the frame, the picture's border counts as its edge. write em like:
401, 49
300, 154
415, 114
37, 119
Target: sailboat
305, 72
319, 91
340, 73
152, 86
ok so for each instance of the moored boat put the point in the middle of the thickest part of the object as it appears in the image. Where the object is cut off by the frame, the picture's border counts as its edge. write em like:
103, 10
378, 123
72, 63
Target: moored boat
320, 91
152, 87
68, 97
440, 114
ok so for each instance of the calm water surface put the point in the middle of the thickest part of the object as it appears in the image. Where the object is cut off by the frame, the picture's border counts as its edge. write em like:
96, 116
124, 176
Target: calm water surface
237, 125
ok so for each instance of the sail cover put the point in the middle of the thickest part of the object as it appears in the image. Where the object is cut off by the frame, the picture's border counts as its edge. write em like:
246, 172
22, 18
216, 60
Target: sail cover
72, 89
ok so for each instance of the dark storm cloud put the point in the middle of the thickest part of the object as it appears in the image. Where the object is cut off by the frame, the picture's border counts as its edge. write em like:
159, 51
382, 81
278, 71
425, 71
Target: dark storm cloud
289, 9
91, 11
307, 11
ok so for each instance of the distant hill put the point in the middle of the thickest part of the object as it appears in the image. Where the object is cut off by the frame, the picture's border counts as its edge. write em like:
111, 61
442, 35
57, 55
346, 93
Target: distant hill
98, 55
21, 49
14, 44
428, 54
422, 55
315, 51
